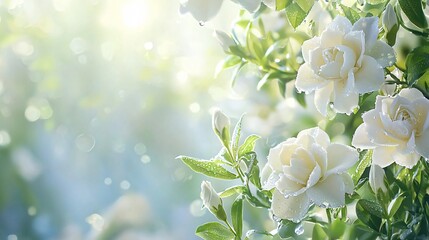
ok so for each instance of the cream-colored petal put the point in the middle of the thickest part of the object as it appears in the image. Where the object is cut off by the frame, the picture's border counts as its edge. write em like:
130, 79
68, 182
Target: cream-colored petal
340, 158
383, 156
330, 38
268, 177
422, 144
293, 208
348, 183
330, 70
356, 41
308, 46
349, 60
320, 137
369, 25
278, 155
361, 138
315, 176
249, 5
289, 187
202, 10
320, 156
370, 76
316, 59
322, 97
411, 94
307, 81
422, 114
344, 102
341, 24
383, 53
403, 157
329, 192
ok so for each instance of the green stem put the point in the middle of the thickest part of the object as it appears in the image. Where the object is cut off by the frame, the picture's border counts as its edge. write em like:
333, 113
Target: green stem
328, 214
232, 229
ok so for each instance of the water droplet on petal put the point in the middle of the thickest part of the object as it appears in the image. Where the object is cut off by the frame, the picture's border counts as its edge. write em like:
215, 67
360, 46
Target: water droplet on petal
201, 23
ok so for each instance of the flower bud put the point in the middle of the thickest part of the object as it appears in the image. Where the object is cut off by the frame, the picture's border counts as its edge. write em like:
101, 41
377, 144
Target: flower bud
389, 19
211, 200
225, 40
376, 178
221, 125
390, 24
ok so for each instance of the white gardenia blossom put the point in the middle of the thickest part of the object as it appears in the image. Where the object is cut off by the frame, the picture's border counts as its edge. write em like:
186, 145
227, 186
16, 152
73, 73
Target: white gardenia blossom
211, 199
201, 10
308, 169
220, 121
376, 178
397, 129
345, 61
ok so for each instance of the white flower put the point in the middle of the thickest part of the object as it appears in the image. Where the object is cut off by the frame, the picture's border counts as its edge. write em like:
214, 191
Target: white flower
211, 199
225, 40
219, 122
397, 129
389, 18
249, 5
376, 178
345, 61
308, 169
201, 10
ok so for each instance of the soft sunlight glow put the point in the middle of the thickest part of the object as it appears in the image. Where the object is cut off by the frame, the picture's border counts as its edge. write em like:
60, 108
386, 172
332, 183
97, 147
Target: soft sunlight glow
134, 14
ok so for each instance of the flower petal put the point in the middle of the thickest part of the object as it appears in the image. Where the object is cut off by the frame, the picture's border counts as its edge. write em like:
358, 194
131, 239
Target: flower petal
322, 98
348, 183
422, 144
369, 25
320, 136
293, 208
249, 5
370, 76
361, 138
356, 41
306, 80
349, 60
340, 158
280, 155
289, 187
344, 102
270, 3
329, 192
308, 46
340, 23
330, 38
383, 53
383, 156
411, 94
202, 10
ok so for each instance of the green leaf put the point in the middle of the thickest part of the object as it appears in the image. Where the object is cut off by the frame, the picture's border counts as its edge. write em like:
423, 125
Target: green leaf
295, 14
414, 11
282, 4
287, 229
318, 232
363, 164
305, 5
248, 145
228, 62
231, 191
337, 229
366, 215
282, 87
253, 43
237, 215
417, 63
394, 205
236, 135
371, 207
208, 168
350, 13
300, 98
236, 72
214, 231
